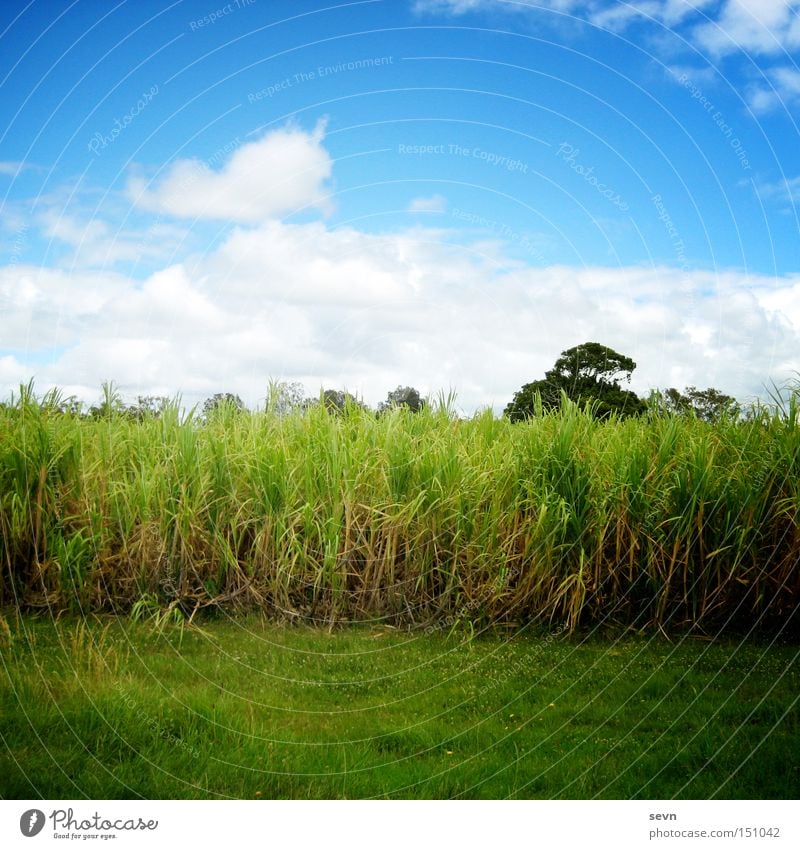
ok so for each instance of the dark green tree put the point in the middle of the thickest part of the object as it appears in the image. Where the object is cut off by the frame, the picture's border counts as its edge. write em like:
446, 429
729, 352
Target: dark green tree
710, 404
588, 373
403, 396
222, 401
337, 401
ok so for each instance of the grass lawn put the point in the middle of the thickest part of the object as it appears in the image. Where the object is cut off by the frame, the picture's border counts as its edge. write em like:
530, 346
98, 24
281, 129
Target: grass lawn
240, 708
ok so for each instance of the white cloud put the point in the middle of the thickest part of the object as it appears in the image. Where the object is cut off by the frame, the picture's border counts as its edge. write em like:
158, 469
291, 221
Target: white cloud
346, 308
601, 12
434, 203
462, 7
11, 169
668, 12
95, 244
756, 26
45, 308
283, 172
783, 302
783, 91
785, 191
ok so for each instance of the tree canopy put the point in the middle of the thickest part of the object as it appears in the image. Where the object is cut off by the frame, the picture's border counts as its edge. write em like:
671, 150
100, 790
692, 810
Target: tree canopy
403, 396
222, 401
710, 404
588, 373
284, 397
337, 401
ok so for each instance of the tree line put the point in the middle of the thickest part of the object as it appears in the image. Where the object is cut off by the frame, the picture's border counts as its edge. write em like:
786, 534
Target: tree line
590, 375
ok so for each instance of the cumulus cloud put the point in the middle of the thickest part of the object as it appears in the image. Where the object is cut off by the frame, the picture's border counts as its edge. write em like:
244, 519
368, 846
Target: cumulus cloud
339, 307
46, 307
94, 243
284, 171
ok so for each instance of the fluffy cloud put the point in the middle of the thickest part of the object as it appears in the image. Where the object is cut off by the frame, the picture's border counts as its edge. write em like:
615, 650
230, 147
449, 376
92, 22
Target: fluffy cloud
283, 172
366, 311
757, 26
47, 308
783, 91
93, 243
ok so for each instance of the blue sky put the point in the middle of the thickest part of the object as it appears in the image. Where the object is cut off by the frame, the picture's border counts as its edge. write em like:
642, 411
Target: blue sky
198, 197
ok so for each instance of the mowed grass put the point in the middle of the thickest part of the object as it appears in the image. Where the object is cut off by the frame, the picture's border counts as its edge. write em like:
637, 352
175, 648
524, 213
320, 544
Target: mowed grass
109, 708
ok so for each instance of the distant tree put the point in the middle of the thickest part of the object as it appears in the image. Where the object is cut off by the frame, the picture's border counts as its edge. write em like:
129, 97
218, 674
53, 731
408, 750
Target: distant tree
403, 396
707, 404
71, 406
54, 401
591, 373
222, 401
110, 404
148, 406
336, 401
284, 397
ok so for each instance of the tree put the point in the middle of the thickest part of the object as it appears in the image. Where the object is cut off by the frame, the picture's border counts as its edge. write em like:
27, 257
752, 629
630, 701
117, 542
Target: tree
588, 373
110, 405
710, 404
148, 407
284, 398
222, 401
403, 396
337, 401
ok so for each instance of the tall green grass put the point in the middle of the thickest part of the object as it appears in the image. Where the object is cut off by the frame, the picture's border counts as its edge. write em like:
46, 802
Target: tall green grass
654, 522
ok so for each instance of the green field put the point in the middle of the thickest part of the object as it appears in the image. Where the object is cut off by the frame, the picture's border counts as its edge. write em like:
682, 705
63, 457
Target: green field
247, 709
663, 522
